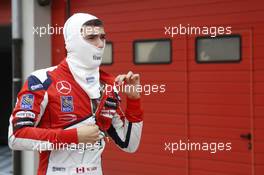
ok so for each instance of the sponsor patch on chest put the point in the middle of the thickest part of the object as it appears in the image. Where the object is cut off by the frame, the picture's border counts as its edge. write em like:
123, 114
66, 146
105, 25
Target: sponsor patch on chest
66, 103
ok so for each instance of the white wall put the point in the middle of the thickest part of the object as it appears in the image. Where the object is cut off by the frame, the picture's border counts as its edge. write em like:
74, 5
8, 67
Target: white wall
36, 54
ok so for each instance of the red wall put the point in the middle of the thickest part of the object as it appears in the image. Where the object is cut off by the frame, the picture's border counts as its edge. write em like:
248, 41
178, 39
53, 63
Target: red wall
203, 102
5, 12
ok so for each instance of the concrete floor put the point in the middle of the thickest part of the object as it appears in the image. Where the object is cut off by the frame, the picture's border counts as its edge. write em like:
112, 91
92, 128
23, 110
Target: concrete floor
5, 161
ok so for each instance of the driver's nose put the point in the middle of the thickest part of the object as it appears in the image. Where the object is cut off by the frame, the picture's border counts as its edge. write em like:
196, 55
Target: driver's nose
100, 43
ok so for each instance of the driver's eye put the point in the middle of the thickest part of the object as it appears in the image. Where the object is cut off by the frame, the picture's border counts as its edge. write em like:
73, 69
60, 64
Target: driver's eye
90, 37
102, 36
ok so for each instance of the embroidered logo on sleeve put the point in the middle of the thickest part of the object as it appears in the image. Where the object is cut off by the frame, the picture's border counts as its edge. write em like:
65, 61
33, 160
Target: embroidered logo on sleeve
66, 103
25, 114
27, 101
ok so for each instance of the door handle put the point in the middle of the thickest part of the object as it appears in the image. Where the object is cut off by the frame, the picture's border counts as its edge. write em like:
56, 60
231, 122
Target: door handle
246, 136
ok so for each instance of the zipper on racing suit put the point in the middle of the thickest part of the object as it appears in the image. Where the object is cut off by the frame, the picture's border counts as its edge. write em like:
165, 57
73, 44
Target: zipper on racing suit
95, 106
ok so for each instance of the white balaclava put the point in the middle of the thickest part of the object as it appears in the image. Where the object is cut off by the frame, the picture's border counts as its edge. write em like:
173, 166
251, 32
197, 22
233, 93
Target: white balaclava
82, 57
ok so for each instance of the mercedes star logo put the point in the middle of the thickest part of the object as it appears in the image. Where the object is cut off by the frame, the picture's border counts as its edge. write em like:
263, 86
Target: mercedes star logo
63, 87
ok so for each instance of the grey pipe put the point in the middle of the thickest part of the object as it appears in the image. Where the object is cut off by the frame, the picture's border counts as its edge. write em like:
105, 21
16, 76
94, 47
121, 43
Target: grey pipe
16, 68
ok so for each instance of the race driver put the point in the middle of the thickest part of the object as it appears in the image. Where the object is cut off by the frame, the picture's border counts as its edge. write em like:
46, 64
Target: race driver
68, 105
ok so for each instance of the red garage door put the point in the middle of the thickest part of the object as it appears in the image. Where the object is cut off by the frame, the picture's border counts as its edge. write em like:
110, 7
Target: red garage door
220, 90
214, 86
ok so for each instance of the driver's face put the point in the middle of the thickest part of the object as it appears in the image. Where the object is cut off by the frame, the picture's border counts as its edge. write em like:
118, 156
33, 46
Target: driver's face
94, 35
